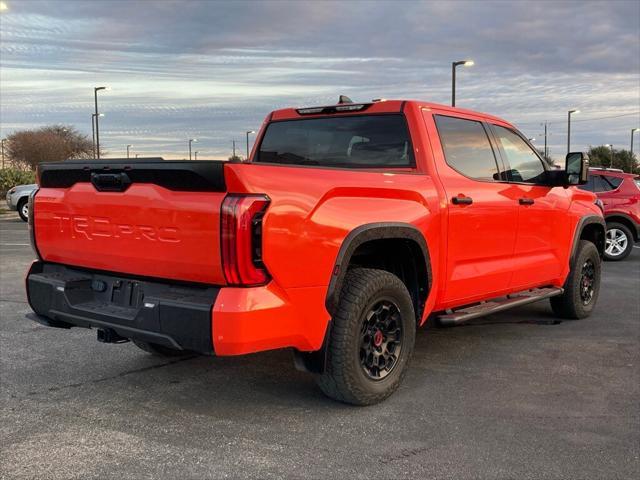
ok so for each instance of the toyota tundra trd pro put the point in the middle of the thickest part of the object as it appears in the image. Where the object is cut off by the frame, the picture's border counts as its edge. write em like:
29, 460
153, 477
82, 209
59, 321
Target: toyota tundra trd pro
346, 229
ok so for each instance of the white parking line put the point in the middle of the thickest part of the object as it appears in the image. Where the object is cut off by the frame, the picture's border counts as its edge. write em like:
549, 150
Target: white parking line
14, 244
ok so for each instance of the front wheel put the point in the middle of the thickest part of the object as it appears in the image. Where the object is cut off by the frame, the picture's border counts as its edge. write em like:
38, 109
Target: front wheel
582, 286
23, 209
372, 338
619, 242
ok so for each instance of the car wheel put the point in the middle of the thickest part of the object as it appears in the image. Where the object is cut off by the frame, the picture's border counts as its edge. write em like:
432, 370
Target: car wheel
582, 286
619, 242
160, 350
371, 339
23, 209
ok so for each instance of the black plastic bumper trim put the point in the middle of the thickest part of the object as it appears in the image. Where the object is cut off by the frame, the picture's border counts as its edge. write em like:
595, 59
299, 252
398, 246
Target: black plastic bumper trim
173, 315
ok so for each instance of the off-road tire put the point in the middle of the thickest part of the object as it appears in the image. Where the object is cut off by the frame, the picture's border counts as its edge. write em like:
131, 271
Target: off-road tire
571, 304
630, 241
160, 350
344, 378
21, 203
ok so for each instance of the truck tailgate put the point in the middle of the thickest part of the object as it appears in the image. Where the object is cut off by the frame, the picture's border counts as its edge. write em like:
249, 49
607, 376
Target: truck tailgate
154, 219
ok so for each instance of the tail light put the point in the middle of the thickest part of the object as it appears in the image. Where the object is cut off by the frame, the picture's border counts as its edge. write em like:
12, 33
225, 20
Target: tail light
241, 239
31, 223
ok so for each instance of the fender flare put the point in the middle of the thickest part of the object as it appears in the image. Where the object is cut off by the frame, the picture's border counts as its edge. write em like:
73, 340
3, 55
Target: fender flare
582, 223
365, 233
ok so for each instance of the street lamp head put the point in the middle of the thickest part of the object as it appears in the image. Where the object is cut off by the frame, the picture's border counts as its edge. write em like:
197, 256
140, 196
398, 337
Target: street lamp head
251, 131
532, 139
100, 88
636, 130
129, 146
574, 111
469, 63
194, 140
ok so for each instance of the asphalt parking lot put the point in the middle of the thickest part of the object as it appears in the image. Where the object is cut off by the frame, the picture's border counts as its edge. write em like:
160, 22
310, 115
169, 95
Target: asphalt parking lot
509, 396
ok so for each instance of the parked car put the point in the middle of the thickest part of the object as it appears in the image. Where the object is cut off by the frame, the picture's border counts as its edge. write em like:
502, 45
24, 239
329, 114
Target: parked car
620, 196
18, 199
349, 226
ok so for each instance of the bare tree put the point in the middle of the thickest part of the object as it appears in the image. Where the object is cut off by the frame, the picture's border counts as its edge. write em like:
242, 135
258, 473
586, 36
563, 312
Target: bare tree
55, 143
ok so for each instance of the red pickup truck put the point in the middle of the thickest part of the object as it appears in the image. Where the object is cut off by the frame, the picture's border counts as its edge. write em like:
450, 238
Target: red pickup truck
349, 226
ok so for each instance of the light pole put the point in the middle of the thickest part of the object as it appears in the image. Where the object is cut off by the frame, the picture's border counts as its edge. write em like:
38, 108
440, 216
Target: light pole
569, 128
195, 155
191, 140
93, 131
466, 63
610, 161
128, 147
633, 130
248, 132
2, 141
95, 98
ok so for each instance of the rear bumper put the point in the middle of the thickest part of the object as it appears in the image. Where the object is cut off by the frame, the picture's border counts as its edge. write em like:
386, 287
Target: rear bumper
169, 314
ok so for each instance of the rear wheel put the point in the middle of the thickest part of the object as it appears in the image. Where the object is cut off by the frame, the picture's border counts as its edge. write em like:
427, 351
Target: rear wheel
582, 286
23, 209
619, 242
160, 350
372, 338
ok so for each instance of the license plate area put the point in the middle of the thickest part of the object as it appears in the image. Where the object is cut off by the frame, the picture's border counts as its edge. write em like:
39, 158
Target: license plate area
98, 293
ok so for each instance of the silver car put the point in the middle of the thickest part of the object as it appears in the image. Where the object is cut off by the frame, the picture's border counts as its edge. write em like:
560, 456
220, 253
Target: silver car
18, 199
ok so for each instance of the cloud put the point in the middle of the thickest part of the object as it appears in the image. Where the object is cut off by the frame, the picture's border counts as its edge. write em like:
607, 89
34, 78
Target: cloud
215, 69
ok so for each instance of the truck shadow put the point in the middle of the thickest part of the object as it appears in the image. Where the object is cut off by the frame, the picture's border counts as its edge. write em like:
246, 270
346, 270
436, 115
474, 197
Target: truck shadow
219, 386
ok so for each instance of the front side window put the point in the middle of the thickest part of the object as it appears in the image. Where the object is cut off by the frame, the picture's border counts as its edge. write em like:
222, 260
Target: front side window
524, 164
362, 141
467, 148
590, 185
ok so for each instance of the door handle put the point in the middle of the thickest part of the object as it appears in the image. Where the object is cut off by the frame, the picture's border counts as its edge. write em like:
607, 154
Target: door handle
462, 200
526, 201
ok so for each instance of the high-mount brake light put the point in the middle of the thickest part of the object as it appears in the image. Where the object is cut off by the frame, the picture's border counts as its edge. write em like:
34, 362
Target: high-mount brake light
310, 111
333, 109
349, 108
241, 239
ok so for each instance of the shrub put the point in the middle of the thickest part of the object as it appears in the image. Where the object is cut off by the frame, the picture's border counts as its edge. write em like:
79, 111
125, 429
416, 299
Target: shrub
10, 177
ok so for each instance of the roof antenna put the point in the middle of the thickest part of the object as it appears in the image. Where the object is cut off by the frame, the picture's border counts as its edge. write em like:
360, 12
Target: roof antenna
344, 99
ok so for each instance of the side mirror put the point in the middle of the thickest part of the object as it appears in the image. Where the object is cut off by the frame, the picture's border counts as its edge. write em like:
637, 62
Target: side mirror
576, 168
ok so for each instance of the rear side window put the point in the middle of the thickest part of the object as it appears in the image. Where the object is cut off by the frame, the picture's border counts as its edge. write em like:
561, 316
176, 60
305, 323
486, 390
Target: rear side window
467, 148
363, 141
524, 164
600, 184
613, 181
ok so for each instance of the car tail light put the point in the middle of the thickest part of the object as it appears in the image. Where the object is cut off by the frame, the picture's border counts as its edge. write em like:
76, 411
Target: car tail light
31, 223
241, 239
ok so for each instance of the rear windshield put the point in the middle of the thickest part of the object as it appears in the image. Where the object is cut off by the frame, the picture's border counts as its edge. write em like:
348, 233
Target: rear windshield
363, 141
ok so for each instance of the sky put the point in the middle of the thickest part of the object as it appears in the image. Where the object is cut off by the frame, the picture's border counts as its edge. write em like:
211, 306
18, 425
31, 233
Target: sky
213, 70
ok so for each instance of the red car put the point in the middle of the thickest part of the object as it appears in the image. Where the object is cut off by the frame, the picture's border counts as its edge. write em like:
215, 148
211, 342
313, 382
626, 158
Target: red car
348, 227
620, 195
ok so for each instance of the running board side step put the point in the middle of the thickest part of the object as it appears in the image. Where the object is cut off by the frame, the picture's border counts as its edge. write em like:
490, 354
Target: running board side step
464, 314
